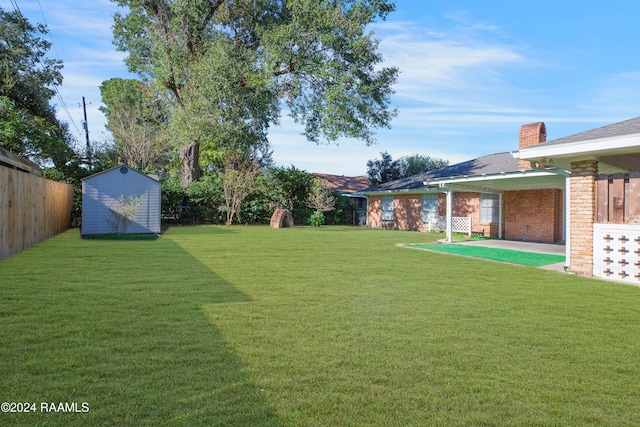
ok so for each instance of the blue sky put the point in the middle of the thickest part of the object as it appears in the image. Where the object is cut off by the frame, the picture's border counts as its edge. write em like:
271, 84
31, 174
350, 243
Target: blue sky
472, 72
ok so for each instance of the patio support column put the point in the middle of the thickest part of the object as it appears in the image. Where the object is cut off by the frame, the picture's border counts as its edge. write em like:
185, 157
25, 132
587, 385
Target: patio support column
449, 214
566, 222
583, 206
500, 215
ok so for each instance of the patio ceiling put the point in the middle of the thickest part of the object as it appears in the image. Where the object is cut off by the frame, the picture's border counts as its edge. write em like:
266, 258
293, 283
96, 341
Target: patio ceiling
614, 154
526, 180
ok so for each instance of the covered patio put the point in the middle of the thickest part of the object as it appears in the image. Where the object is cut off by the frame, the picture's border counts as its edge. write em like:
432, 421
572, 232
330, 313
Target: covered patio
501, 183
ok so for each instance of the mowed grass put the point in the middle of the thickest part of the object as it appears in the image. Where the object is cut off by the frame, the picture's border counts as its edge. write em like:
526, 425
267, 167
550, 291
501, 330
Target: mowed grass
252, 326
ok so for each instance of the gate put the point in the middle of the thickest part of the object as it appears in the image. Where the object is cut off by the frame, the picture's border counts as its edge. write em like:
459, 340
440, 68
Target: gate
619, 199
616, 235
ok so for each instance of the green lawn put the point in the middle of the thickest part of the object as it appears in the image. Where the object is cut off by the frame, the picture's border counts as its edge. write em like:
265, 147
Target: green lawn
253, 326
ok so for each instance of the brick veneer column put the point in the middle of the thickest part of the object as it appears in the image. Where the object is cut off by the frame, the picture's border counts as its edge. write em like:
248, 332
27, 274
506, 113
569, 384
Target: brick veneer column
583, 215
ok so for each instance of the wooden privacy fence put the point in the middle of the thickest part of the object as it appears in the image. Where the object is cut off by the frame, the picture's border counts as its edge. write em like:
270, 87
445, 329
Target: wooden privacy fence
618, 198
32, 209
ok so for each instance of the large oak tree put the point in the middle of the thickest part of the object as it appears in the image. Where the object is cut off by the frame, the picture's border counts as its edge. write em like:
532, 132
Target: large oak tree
228, 67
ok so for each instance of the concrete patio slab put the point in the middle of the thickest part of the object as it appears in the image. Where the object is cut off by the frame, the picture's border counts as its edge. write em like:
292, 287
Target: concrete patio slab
560, 267
541, 248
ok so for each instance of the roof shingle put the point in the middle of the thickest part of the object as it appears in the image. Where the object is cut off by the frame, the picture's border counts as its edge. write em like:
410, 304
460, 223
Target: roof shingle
485, 165
627, 127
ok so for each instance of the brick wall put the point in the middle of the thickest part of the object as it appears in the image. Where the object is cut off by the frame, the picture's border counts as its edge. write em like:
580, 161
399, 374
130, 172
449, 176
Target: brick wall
534, 215
465, 204
583, 215
407, 212
374, 210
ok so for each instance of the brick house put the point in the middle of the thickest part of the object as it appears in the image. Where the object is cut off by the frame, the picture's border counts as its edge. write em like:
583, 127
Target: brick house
503, 197
506, 197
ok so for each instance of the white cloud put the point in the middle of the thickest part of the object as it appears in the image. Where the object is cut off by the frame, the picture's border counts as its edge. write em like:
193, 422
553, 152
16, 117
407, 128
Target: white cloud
443, 69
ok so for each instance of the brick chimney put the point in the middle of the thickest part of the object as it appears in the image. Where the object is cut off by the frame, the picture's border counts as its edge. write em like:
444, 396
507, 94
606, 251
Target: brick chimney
531, 134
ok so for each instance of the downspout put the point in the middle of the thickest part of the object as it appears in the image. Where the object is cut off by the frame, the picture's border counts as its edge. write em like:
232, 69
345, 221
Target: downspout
449, 215
500, 215
567, 223
366, 197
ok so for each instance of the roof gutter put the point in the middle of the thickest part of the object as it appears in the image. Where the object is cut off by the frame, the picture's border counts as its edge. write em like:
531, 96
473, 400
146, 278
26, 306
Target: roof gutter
494, 176
419, 190
595, 146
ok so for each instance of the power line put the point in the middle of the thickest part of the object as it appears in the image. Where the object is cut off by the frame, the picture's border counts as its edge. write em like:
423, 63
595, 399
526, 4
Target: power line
63, 104
66, 110
58, 94
47, 25
14, 3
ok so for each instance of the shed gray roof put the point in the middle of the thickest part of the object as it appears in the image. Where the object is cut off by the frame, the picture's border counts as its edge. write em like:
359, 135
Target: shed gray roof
486, 165
151, 177
627, 127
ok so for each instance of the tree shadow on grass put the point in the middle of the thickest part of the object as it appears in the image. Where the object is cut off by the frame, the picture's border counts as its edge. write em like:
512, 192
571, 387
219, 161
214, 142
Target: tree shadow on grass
130, 339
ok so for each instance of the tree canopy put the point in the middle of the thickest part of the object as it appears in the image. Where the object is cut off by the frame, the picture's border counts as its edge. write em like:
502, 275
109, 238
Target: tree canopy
386, 169
136, 120
28, 78
227, 68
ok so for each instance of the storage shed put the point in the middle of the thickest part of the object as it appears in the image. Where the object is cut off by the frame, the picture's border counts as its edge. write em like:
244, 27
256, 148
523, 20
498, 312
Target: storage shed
103, 193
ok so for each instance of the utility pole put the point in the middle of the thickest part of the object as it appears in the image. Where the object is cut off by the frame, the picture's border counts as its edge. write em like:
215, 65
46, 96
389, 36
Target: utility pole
86, 132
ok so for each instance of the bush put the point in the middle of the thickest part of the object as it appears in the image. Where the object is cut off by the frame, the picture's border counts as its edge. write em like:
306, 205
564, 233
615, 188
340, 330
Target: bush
343, 212
316, 219
206, 200
175, 201
198, 203
288, 188
258, 206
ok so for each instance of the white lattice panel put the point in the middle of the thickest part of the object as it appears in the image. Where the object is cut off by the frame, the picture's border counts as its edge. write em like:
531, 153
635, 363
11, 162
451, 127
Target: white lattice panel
458, 224
616, 252
461, 224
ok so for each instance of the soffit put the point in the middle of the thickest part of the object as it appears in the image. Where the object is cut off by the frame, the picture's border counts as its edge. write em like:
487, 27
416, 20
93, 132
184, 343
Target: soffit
508, 182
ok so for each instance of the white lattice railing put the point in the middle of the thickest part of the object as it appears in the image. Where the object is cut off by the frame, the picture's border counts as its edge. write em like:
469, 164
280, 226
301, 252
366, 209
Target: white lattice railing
459, 224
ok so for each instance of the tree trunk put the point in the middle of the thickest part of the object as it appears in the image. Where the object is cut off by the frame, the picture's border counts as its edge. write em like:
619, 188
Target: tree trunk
190, 164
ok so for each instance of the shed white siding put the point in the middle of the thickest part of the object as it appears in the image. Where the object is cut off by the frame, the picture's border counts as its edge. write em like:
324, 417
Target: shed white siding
101, 190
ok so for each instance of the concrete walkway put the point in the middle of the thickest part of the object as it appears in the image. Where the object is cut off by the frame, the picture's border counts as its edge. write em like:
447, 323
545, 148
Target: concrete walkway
541, 248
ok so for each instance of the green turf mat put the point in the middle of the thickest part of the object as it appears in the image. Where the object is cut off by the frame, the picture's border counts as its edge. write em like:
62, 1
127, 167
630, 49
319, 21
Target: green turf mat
532, 259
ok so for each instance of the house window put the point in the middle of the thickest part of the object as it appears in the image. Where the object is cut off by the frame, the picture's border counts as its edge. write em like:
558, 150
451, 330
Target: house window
429, 208
387, 208
489, 207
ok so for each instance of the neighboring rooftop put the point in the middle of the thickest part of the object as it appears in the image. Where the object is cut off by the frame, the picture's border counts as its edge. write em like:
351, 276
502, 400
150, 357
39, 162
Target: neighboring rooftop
344, 184
13, 161
493, 163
